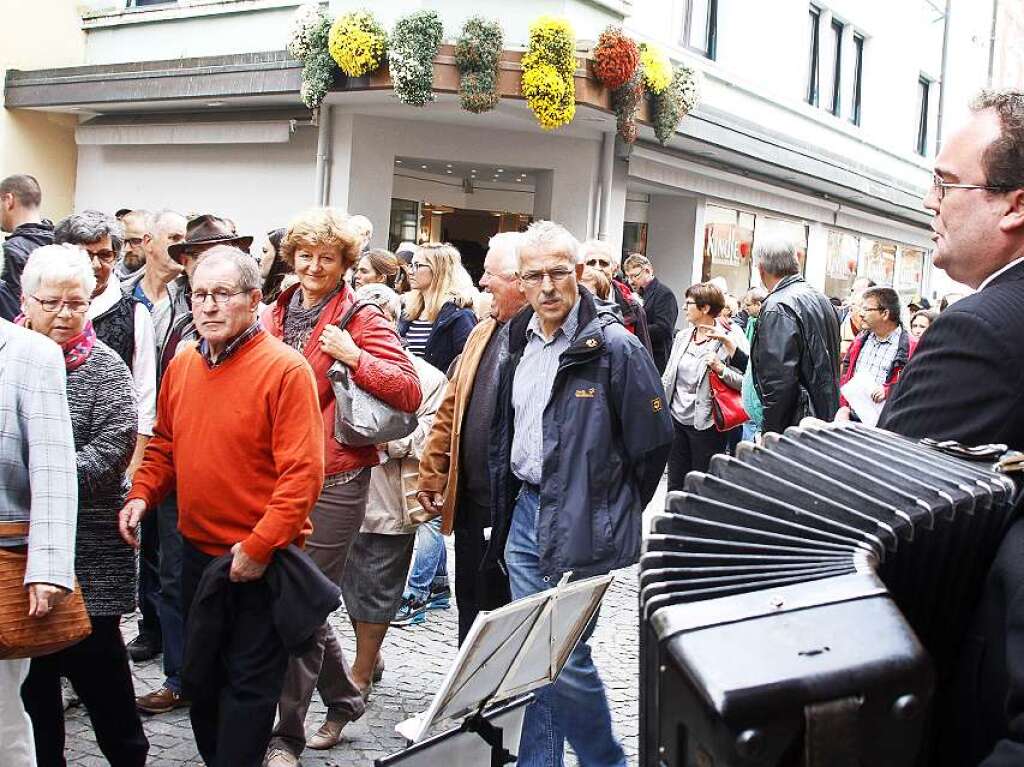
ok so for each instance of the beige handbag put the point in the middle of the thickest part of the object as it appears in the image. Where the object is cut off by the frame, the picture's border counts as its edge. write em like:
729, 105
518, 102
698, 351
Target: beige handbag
22, 636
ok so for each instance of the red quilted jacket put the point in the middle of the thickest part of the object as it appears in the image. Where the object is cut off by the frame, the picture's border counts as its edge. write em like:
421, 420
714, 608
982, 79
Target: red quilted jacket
384, 370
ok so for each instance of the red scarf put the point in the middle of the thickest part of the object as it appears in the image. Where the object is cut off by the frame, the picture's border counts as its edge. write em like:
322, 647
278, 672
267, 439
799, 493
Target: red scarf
77, 349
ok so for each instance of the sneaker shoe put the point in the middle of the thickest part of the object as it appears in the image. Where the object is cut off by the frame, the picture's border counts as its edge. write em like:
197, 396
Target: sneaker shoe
161, 701
144, 647
441, 599
280, 757
410, 612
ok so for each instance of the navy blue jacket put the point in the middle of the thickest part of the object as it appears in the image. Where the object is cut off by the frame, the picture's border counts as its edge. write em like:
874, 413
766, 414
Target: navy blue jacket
607, 435
447, 336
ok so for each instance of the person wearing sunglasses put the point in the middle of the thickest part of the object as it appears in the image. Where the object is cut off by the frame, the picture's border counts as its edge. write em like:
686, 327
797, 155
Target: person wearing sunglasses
598, 254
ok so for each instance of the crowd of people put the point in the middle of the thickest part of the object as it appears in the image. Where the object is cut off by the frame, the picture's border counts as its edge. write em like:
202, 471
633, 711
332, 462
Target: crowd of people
167, 391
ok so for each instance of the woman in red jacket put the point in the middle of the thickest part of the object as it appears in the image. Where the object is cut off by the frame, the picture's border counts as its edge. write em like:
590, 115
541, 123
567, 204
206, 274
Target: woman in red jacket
321, 245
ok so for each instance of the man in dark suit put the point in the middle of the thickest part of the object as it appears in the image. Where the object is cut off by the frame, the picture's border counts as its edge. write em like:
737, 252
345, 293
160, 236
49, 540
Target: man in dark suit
966, 382
659, 303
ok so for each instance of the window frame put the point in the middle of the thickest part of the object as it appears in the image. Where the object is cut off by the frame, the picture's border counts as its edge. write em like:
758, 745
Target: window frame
838, 28
858, 77
711, 23
813, 94
924, 84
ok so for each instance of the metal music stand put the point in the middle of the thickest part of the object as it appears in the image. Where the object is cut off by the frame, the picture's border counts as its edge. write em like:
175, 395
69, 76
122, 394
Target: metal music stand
508, 652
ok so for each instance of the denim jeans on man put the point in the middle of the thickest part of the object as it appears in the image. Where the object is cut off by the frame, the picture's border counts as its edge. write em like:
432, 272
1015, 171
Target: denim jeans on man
575, 706
430, 566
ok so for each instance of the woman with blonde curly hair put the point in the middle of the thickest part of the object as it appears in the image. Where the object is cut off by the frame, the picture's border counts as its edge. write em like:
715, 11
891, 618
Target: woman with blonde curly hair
437, 320
320, 244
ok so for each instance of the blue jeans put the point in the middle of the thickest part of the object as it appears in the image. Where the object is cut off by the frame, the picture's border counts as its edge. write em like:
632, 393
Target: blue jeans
172, 624
430, 567
575, 705
750, 430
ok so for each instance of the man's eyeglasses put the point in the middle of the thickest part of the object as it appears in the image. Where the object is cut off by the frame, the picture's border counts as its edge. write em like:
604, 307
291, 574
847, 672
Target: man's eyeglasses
54, 305
557, 276
941, 186
871, 309
133, 241
103, 256
220, 297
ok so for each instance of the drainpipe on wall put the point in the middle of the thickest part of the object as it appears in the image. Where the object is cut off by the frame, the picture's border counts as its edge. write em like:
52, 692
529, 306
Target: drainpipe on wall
944, 71
323, 155
607, 171
992, 43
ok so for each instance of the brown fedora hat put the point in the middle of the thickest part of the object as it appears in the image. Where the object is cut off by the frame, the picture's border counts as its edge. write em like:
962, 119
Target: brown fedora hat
207, 229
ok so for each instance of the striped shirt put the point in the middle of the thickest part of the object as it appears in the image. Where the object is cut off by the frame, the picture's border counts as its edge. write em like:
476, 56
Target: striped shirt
531, 390
416, 336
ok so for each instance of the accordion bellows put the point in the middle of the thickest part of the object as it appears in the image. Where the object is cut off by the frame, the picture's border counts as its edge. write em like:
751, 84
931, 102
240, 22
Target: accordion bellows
803, 602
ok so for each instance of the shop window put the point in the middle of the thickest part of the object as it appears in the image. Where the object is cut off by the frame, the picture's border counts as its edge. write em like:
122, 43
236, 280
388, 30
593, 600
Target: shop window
769, 228
404, 227
858, 74
634, 238
924, 86
700, 27
841, 258
835, 102
728, 247
909, 273
877, 261
814, 18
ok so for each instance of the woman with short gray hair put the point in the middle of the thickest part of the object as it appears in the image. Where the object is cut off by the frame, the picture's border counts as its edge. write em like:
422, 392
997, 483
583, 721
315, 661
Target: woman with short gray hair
58, 283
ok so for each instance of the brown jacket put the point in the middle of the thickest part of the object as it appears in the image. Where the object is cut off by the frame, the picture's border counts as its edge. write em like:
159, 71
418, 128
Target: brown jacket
439, 464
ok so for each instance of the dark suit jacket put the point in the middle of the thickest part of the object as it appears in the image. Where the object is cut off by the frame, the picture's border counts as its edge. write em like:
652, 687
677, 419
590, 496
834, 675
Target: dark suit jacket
662, 312
966, 380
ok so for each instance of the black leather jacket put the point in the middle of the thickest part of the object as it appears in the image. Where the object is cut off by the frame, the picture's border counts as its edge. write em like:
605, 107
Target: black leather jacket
795, 354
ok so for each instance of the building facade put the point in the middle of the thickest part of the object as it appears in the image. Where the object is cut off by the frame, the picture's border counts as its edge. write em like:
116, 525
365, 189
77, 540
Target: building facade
816, 121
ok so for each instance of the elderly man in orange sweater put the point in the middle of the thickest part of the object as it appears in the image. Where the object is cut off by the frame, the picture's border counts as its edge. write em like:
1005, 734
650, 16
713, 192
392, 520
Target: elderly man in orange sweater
240, 437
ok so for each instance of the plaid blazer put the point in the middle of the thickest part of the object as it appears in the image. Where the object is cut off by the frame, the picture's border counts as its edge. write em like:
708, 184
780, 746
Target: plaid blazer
38, 479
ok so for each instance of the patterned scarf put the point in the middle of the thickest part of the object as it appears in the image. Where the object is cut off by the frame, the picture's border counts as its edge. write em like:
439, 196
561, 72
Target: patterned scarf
300, 322
77, 349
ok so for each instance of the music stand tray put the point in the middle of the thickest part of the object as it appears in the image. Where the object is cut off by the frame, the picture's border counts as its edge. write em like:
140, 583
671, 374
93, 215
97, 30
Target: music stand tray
508, 653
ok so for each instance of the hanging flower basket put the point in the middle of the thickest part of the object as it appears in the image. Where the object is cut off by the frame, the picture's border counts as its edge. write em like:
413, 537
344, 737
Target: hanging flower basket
476, 55
307, 18
549, 66
675, 102
656, 67
626, 101
615, 58
357, 43
414, 44
308, 41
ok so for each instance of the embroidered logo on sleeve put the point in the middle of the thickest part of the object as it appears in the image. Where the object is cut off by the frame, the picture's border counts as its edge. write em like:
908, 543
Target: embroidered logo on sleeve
656, 405
586, 393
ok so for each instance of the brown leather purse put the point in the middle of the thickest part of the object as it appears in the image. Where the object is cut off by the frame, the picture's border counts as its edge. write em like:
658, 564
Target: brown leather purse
22, 636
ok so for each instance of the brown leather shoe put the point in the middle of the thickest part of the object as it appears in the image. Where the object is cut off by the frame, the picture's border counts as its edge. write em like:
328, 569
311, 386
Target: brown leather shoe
328, 736
161, 701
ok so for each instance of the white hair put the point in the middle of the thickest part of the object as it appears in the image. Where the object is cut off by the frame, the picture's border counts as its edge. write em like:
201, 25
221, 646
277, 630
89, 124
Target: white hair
383, 296
247, 266
503, 246
362, 225
777, 256
57, 263
550, 238
602, 248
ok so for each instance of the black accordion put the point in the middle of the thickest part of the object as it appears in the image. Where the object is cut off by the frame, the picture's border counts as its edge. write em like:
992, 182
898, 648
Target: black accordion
805, 600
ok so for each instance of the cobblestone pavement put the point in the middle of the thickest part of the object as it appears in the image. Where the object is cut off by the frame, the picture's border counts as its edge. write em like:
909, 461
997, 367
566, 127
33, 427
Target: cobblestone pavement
416, 660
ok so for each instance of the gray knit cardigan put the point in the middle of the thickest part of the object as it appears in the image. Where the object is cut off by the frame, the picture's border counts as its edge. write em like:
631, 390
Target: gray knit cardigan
104, 419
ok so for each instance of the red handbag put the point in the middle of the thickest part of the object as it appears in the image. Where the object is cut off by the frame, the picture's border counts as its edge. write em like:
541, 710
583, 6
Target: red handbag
726, 404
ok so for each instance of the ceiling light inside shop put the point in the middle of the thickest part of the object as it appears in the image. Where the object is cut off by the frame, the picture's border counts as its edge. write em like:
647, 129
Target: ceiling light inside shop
448, 165
214, 103
501, 170
448, 172
424, 167
398, 162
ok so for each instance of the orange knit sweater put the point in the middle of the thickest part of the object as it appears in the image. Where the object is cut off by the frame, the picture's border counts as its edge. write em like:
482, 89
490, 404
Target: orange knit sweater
243, 445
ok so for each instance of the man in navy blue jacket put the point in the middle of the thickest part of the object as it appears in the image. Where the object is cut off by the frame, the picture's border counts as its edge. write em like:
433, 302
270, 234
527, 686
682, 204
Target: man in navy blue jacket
966, 382
580, 440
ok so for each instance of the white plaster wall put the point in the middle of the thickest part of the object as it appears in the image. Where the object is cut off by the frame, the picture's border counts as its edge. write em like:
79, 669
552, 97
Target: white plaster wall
675, 231
258, 186
365, 147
